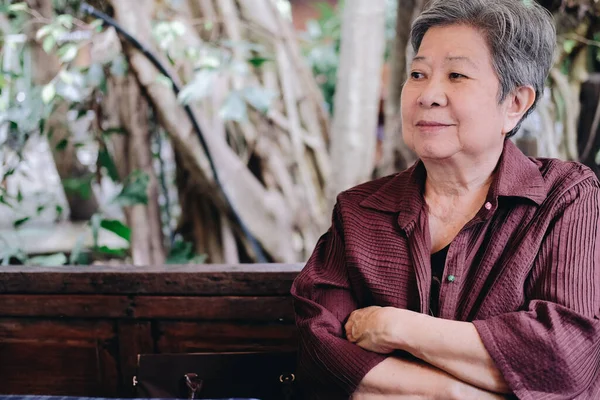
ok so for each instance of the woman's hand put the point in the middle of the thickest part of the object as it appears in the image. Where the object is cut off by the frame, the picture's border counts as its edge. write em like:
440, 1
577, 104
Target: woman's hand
378, 329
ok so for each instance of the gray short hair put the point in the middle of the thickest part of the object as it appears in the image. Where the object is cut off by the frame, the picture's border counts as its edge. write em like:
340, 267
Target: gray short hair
520, 34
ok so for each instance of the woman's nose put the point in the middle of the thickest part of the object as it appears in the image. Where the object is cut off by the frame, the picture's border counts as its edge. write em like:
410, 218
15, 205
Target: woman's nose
433, 95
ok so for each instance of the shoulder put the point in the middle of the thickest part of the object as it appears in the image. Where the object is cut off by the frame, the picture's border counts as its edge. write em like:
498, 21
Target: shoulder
565, 176
360, 192
568, 183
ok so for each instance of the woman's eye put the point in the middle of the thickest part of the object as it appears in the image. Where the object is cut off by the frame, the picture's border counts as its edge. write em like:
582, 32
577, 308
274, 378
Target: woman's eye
416, 75
456, 75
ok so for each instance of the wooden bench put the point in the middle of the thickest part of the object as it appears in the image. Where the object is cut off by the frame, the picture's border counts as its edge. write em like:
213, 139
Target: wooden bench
78, 330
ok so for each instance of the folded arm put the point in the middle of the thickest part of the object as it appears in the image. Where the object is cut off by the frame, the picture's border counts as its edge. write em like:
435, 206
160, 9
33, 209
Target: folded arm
551, 349
331, 367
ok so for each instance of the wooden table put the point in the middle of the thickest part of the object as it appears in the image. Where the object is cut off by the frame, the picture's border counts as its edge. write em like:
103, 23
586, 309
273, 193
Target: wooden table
77, 331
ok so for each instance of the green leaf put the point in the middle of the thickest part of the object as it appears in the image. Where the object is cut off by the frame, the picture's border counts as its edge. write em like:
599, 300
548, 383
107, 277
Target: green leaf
111, 131
48, 93
181, 253
199, 88
234, 108
65, 20
259, 61
569, 45
79, 186
43, 31
199, 259
117, 227
259, 98
67, 53
62, 145
53, 260
8, 173
18, 7
48, 43
66, 76
5, 202
178, 28
40, 209
105, 160
59, 211
111, 252
134, 190
42, 125
96, 25
20, 222
19, 195
95, 222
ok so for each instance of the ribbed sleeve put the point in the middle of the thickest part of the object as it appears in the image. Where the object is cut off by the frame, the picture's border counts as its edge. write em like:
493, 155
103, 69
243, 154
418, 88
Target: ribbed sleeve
330, 367
551, 349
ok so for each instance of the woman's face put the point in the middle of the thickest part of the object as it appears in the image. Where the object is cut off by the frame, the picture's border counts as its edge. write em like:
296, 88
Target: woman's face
450, 100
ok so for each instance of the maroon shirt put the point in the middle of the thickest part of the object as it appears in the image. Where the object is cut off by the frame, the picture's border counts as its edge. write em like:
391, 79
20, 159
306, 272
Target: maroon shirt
526, 272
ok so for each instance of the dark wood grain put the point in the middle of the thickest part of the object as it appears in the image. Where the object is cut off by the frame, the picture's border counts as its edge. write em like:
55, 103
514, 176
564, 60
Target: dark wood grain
189, 337
79, 330
215, 308
243, 279
81, 306
53, 358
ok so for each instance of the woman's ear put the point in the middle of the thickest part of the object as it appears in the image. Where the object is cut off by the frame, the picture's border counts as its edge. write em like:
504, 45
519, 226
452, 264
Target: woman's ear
517, 104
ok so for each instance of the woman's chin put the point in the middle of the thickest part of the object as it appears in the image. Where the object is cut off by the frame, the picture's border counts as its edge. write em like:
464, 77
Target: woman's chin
435, 152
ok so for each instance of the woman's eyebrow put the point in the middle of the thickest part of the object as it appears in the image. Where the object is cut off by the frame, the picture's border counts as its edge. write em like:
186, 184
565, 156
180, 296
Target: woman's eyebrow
448, 59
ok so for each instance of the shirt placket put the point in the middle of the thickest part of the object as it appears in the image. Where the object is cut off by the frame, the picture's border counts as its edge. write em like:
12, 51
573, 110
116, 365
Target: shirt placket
454, 273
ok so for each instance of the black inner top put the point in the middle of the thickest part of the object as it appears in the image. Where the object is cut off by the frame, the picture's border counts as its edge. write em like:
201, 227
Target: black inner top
438, 261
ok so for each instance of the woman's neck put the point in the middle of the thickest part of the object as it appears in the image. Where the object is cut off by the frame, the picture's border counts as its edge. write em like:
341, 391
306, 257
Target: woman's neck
451, 179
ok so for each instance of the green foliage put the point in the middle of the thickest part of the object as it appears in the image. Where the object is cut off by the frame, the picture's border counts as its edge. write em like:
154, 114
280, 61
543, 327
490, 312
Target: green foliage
116, 227
182, 252
213, 61
81, 187
134, 190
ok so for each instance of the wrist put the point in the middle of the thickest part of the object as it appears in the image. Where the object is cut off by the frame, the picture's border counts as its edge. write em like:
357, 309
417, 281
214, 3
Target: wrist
411, 336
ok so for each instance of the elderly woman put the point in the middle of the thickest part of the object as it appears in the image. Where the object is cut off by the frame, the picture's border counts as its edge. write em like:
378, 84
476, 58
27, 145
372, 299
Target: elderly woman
474, 274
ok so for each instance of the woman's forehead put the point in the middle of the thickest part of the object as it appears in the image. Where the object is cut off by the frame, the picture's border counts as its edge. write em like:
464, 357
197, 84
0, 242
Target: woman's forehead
456, 44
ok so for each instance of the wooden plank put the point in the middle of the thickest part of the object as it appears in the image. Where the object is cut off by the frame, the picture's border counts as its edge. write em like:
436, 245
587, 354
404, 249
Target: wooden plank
72, 306
189, 337
56, 358
272, 308
30, 329
134, 338
242, 279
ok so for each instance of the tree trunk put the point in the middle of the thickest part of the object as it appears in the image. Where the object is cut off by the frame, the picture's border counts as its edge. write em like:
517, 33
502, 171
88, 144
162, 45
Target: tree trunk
396, 156
147, 246
357, 95
264, 209
45, 68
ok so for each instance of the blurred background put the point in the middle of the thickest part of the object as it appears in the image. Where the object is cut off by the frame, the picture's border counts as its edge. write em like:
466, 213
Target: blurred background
220, 131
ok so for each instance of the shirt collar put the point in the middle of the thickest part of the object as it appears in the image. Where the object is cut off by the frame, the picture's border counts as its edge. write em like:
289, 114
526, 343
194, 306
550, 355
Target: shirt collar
516, 176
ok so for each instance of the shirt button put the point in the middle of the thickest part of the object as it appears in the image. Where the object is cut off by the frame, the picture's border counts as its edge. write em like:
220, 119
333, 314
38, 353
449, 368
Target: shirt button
488, 206
451, 278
